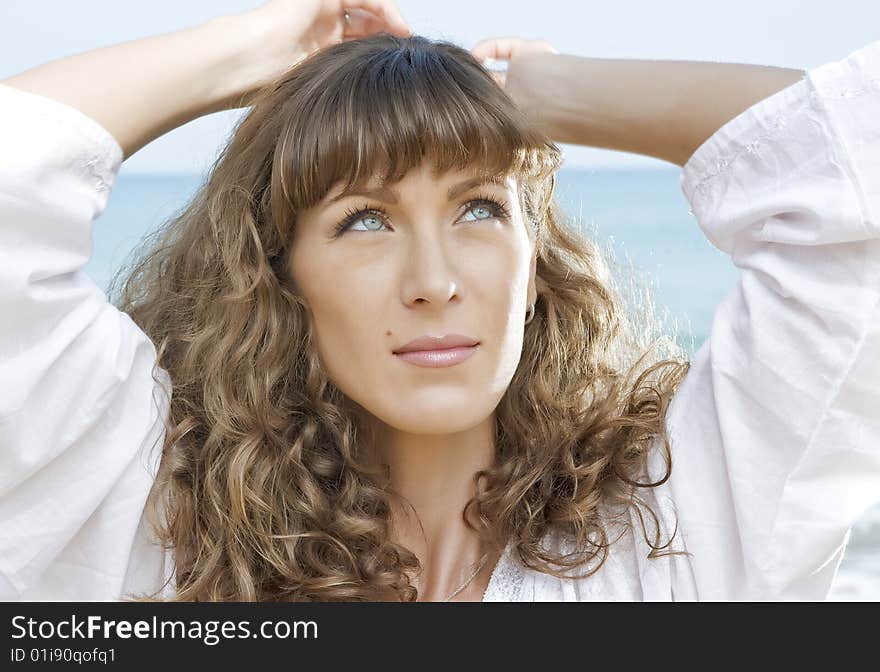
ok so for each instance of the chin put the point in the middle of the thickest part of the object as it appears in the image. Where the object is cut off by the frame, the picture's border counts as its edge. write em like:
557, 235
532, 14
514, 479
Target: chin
450, 420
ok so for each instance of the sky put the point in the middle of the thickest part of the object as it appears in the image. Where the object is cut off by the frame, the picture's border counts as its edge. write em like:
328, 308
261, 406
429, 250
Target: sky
784, 33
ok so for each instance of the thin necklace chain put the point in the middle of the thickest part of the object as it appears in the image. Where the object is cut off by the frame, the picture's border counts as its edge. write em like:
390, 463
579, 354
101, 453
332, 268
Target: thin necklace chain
471, 578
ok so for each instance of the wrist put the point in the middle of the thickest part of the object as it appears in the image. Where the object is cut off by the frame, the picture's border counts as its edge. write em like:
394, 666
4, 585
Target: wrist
244, 62
537, 84
520, 85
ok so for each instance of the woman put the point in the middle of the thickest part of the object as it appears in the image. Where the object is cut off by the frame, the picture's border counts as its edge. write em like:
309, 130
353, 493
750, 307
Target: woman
382, 193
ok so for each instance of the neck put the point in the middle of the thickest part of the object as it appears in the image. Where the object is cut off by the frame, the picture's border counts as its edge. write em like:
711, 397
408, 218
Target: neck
434, 478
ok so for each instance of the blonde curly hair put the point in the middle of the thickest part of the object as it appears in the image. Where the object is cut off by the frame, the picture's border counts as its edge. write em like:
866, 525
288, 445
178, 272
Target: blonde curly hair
262, 492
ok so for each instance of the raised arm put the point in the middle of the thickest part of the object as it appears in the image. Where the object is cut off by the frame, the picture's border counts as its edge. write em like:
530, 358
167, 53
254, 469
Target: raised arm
81, 409
142, 89
774, 431
664, 109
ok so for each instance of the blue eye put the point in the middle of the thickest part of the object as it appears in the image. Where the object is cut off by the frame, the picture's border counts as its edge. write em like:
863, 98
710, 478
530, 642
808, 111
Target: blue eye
486, 209
363, 213
366, 213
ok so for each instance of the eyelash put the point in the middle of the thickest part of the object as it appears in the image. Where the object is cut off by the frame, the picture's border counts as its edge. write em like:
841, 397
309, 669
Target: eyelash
351, 216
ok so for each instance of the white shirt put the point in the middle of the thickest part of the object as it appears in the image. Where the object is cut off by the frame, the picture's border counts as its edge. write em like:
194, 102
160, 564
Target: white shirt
774, 430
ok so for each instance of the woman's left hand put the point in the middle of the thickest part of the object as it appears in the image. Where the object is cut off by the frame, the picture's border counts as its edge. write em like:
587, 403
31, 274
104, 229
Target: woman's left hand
287, 31
512, 50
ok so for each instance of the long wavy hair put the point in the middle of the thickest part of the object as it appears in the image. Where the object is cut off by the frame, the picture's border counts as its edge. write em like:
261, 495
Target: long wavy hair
263, 490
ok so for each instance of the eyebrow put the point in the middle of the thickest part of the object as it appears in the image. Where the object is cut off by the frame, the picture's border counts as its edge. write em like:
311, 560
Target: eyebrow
389, 195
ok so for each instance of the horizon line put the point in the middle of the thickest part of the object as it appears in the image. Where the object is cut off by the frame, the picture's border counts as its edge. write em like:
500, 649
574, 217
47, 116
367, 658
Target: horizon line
563, 169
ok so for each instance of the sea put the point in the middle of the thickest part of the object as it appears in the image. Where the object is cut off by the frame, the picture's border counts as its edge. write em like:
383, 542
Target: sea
639, 216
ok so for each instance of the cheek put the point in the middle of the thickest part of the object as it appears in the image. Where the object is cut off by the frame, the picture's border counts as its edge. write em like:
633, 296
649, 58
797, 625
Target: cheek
347, 314
504, 281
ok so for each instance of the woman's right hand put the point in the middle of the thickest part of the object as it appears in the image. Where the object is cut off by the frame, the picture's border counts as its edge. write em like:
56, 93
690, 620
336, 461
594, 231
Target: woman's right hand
289, 30
141, 89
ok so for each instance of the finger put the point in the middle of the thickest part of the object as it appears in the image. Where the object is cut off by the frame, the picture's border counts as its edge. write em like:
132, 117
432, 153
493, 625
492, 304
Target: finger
497, 47
362, 24
386, 10
547, 46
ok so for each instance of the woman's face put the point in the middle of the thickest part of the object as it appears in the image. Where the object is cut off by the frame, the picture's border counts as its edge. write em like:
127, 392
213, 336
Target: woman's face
438, 261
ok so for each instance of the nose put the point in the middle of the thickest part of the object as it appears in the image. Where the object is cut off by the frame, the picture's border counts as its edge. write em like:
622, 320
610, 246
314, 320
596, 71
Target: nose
430, 271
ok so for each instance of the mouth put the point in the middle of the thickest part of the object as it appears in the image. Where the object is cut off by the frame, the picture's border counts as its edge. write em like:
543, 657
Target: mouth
426, 342
433, 352
438, 357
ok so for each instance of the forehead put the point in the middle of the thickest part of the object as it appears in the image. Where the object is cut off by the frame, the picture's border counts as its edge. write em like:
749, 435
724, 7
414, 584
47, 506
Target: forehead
453, 182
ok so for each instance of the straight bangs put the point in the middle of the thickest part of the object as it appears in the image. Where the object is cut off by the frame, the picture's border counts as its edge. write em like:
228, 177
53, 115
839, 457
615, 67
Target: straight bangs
412, 101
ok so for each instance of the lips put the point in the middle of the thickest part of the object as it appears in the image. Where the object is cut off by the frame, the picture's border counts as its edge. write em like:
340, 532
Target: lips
446, 342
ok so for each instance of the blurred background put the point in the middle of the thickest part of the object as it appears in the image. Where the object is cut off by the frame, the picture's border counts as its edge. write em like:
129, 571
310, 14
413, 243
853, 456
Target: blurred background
633, 204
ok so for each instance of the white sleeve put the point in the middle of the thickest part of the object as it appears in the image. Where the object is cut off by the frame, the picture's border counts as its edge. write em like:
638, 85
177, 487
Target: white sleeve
776, 428
81, 418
